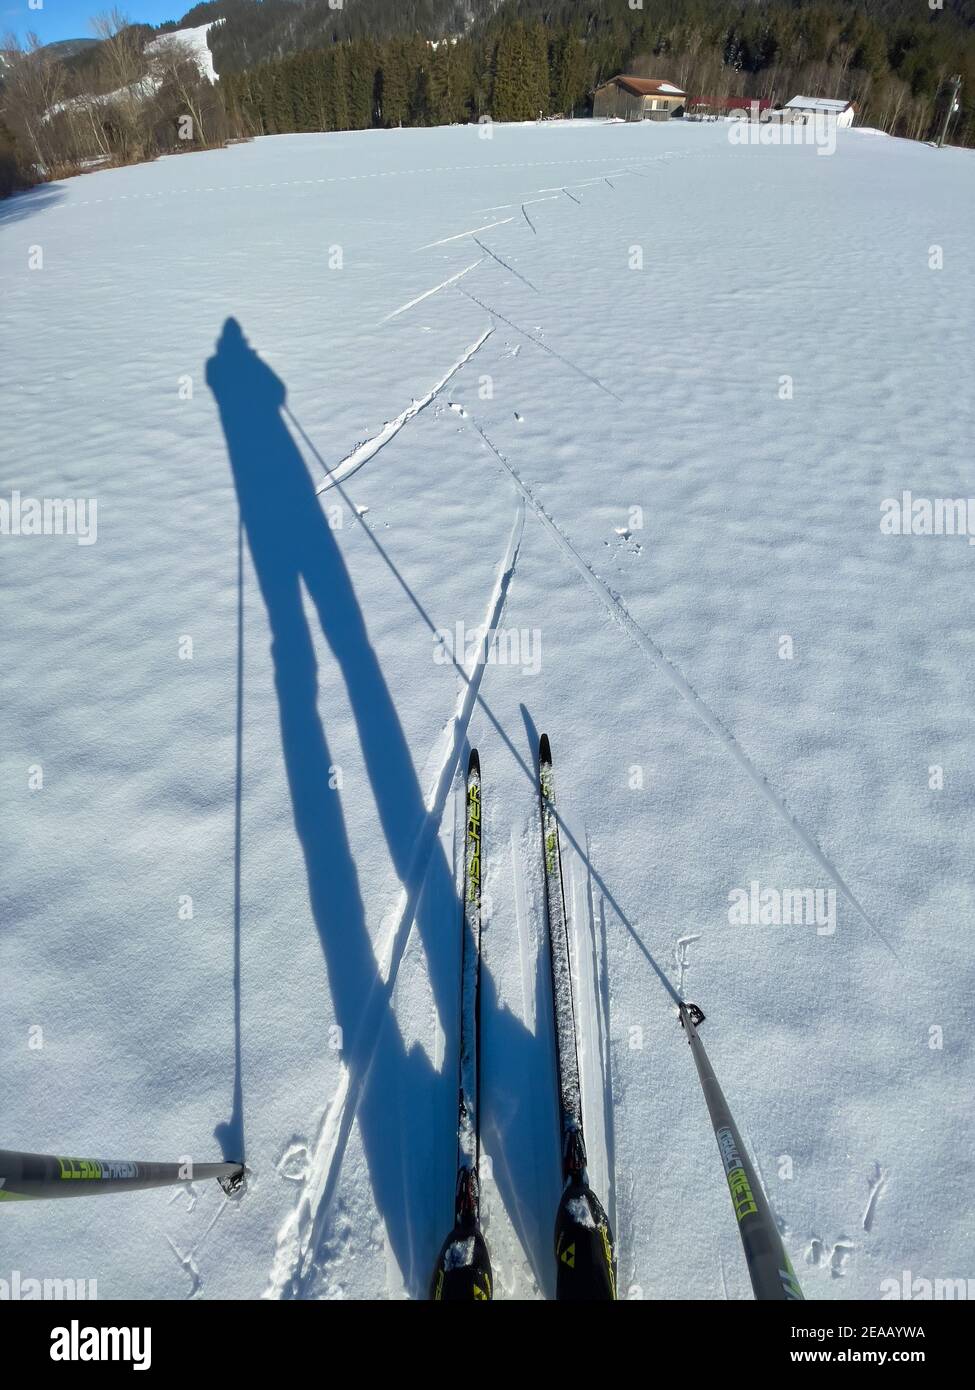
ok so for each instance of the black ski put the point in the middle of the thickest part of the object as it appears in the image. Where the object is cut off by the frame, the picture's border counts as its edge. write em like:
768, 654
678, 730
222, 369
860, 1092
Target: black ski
584, 1249
463, 1269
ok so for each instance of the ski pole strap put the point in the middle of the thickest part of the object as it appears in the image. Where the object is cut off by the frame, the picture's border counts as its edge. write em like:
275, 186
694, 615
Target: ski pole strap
769, 1266
25, 1177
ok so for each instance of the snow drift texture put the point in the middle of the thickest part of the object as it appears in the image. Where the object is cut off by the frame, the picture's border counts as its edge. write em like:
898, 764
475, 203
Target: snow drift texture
248, 700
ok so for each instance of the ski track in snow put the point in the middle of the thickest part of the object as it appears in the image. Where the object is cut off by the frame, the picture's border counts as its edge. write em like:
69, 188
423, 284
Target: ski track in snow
293, 1268
606, 1025
523, 278
369, 448
680, 956
436, 289
876, 1182
188, 1260
459, 236
581, 371
617, 610
191, 192
503, 207
594, 1032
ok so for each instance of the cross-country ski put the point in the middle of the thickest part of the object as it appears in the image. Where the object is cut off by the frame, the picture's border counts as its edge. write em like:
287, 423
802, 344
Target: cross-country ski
463, 1271
584, 1251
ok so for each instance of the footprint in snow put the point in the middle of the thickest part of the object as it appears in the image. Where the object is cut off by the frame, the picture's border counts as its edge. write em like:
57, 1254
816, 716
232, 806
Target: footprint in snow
624, 537
821, 1255
294, 1162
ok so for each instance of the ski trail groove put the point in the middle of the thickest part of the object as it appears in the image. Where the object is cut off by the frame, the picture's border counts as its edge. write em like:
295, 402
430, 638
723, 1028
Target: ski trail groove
436, 289
299, 1236
589, 1030
681, 946
617, 610
363, 452
544, 346
876, 1183
470, 232
523, 278
607, 1027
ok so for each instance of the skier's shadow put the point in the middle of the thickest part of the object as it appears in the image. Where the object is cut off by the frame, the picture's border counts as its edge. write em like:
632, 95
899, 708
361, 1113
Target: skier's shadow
407, 1111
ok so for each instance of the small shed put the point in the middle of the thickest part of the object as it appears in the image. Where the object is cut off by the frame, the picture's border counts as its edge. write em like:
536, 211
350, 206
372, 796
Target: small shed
639, 99
828, 108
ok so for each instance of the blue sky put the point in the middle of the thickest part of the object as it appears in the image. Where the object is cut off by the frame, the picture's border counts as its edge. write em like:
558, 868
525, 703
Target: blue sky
70, 19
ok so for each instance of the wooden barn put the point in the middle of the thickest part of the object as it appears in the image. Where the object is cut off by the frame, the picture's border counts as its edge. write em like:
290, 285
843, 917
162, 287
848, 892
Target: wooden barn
639, 99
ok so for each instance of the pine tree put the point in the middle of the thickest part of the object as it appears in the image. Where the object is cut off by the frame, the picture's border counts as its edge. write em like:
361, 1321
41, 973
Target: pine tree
338, 88
537, 71
363, 68
394, 84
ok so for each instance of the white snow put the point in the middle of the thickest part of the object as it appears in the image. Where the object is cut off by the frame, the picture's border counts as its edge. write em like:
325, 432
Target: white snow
195, 40
816, 104
764, 691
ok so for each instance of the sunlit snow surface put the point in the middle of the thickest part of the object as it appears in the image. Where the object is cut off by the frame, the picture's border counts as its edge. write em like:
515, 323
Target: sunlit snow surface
682, 515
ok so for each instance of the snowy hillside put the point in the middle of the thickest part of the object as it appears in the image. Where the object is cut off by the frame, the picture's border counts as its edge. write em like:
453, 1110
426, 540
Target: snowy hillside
636, 396
195, 41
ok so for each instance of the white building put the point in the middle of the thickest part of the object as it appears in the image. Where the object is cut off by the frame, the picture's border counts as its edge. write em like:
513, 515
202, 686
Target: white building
842, 112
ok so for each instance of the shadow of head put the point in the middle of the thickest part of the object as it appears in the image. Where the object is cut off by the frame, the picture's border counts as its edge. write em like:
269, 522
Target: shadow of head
242, 383
275, 490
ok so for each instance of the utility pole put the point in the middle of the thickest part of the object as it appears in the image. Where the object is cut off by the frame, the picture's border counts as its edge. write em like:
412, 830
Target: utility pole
952, 107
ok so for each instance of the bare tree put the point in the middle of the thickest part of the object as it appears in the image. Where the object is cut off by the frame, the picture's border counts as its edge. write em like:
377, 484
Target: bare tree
34, 88
121, 73
120, 52
173, 66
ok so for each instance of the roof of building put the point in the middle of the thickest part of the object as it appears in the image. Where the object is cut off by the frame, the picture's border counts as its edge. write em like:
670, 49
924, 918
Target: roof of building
817, 104
731, 103
647, 86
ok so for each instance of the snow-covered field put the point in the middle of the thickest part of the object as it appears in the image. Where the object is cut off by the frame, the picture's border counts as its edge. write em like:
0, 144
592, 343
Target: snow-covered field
646, 426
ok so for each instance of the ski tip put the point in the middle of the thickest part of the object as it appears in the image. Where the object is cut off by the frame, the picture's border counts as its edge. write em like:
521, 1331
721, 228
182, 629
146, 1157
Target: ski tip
544, 749
473, 763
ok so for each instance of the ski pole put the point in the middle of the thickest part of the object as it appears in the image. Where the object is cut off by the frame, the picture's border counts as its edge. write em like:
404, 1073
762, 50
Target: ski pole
25, 1177
769, 1266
